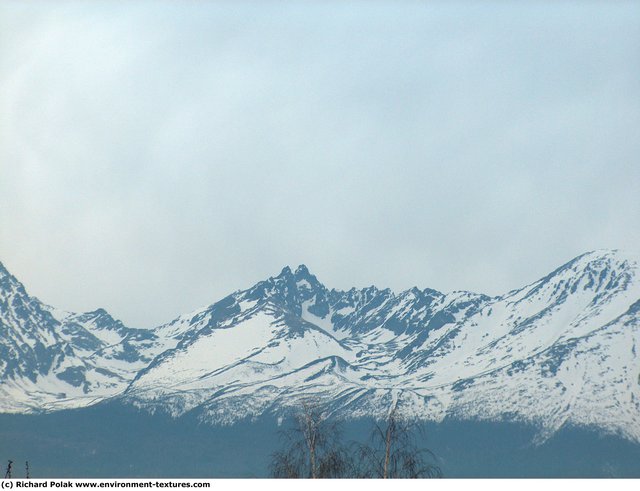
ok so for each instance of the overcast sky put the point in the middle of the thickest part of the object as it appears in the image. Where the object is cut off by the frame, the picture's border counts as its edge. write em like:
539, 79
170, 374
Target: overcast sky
155, 157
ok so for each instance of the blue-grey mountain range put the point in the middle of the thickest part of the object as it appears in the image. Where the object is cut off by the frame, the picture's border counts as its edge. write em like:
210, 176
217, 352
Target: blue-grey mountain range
559, 352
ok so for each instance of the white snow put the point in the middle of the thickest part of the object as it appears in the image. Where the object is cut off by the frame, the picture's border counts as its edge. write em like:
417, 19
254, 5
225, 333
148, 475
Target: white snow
557, 351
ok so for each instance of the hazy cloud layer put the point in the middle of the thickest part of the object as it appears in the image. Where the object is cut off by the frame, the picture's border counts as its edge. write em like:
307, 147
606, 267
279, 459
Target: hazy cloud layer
156, 156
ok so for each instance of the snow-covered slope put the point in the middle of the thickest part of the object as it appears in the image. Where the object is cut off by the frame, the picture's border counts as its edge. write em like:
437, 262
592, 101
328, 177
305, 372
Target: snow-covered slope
51, 359
561, 350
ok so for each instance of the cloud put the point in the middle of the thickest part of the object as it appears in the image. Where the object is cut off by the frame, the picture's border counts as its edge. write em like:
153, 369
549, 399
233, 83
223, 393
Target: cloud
155, 157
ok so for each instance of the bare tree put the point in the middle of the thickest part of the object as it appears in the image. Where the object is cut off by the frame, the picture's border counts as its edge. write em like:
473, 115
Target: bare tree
312, 448
394, 451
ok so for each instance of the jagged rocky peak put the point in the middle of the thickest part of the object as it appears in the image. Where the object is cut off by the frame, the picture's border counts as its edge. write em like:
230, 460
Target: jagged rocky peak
565, 345
302, 273
285, 273
99, 319
8, 282
4, 272
99, 313
289, 288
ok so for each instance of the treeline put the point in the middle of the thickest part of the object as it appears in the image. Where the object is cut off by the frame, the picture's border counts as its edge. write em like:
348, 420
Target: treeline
313, 448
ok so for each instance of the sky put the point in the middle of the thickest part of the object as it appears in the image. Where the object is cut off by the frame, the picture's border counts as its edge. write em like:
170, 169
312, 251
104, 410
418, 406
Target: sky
156, 156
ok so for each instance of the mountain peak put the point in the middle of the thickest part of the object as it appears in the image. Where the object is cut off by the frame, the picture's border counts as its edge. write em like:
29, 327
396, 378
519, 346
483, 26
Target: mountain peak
302, 270
3, 271
601, 258
301, 273
599, 254
616, 255
462, 353
10, 282
99, 312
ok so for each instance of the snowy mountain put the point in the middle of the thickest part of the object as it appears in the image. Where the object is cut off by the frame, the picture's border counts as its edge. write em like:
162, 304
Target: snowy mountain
51, 359
562, 350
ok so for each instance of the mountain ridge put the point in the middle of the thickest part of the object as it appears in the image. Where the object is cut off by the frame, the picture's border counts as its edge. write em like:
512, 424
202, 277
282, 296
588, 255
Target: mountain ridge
560, 350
